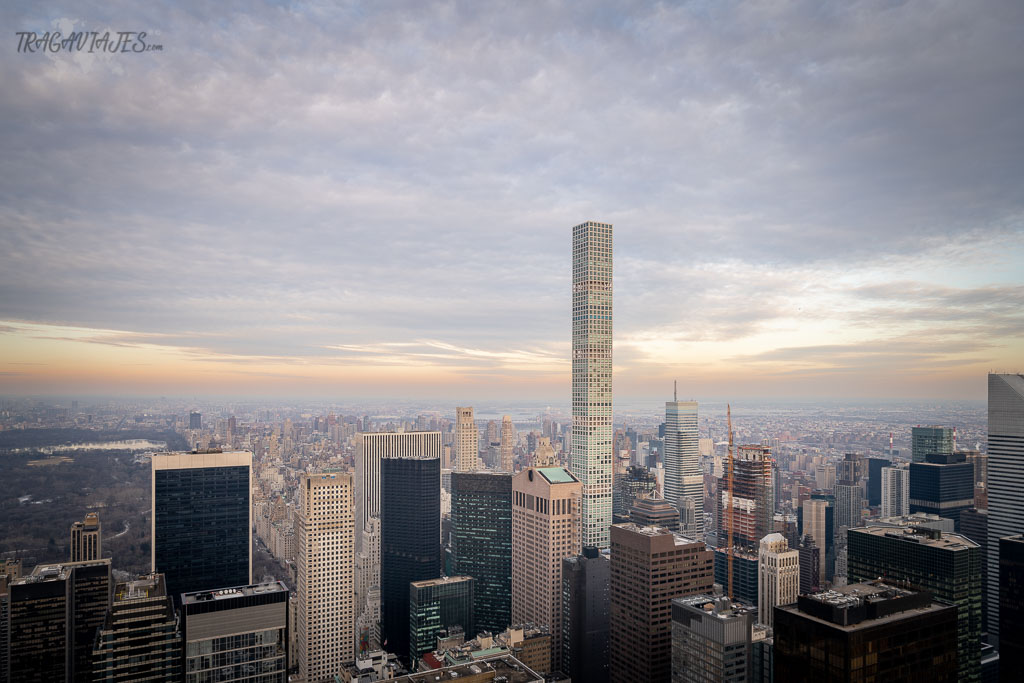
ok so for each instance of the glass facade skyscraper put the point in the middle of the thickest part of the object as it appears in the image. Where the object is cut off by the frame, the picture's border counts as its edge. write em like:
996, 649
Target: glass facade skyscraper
925, 440
591, 456
437, 604
202, 520
684, 480
482, 543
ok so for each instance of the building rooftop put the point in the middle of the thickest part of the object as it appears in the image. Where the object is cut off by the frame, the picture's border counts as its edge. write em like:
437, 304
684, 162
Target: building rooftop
505, 668
42, 573
864, 605
143, 587
921, 535
658, 531
557, 475
441, 581
717, 606
236, 592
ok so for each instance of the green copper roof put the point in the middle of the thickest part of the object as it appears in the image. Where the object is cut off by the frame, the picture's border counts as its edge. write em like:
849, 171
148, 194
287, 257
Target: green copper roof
557, 475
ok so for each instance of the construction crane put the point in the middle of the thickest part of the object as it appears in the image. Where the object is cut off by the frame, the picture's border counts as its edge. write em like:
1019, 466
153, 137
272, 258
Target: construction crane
732, 504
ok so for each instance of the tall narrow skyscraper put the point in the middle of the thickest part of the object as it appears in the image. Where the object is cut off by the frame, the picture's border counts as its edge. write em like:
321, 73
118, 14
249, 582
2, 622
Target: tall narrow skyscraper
895, 491
778, 576
506, 443
591, 456
467, 440
326, 557
684, 480
377, 446
1005, 477
202, 520
86, 539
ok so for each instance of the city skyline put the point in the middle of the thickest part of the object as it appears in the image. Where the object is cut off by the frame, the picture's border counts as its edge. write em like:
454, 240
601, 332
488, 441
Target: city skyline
809, 201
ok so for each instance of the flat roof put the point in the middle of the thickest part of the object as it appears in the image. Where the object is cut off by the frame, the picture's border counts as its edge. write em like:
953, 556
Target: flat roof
235, 592
441, 580
935, 539
557, 475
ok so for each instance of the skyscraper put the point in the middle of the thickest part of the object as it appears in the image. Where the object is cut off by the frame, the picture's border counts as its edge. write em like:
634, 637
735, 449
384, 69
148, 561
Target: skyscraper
482, 543
545, 529
325, 565
86, 538
377, 446
410, 547
636, 482
467, 440
895, 492
711, 640
754, 506
1005, 477
684, 480
875, 466
778, 576
195, 420
650, 567
654, 512
925, 440
810, 565
943, 484
591, 456
237, 634
1011, 606
436, 604
506, 444
946, 565
585, 585
202, 520
815, 525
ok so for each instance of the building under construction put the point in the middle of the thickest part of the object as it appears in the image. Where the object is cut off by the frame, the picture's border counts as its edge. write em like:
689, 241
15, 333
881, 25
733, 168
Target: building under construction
753, 506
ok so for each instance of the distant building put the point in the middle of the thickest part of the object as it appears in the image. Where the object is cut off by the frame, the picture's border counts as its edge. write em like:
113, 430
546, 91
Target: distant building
895, 491
139, 639
636, 482
654, 511
195, 420
507, 446
1011, 606
545, 529
815, 525
325, 624
467, 440
866, 631
948, 566
650, 567
810, 565
482, 543
753, 510
86, 539
436, 605
585, 585
236, 634
711, 640
778, 576
201, 531
410, 547
744, 574
925, 440
942, 485
375, 447
1005, 478
684, 480
875, 466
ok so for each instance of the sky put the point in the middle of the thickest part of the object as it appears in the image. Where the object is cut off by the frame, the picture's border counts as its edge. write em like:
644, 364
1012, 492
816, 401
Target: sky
809, 199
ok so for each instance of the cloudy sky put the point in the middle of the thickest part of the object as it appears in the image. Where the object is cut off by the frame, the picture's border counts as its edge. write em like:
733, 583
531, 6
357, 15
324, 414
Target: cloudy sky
343, 199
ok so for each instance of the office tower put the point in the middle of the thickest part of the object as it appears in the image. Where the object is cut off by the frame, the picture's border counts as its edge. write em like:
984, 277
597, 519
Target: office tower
684, 479
545, 528
507, 458
630, 485
202, 517
926, 440
1011, 606
467, 440
545, 454
482, 543
1005, 478
974, 525
367, 587
754, 508
942, 485
866, 631
852, 468
585, 583
980, 463
139, 639
825, 476
895, 489
948, 566
238, 634
41, 636
815, 525
744, 574
195, 420
91, 590
591, 455
875, 466
410, 549
378, 446
810, 565
711, 640
86, 539
436, 604
325, 574
654, 511
778, 576
650, 567
849, 505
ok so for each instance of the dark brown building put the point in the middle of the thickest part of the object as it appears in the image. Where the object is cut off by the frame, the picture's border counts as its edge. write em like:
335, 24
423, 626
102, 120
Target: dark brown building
649, 567
866, 632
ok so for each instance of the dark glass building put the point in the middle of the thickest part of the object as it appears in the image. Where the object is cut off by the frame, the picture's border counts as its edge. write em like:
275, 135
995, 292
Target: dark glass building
948, 566
974, 525
810, 566
744, 574
202, 507
91, 592
629, 485
875, 466
942, 485
436, 605
481, 543
866, 632
1011, 607
236, 634
655, 512
410, 547
41, 626
925, 440
139, 639
585, 580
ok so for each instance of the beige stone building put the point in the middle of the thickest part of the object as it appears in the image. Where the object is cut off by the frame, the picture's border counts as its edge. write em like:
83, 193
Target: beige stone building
778, 576
467, 440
